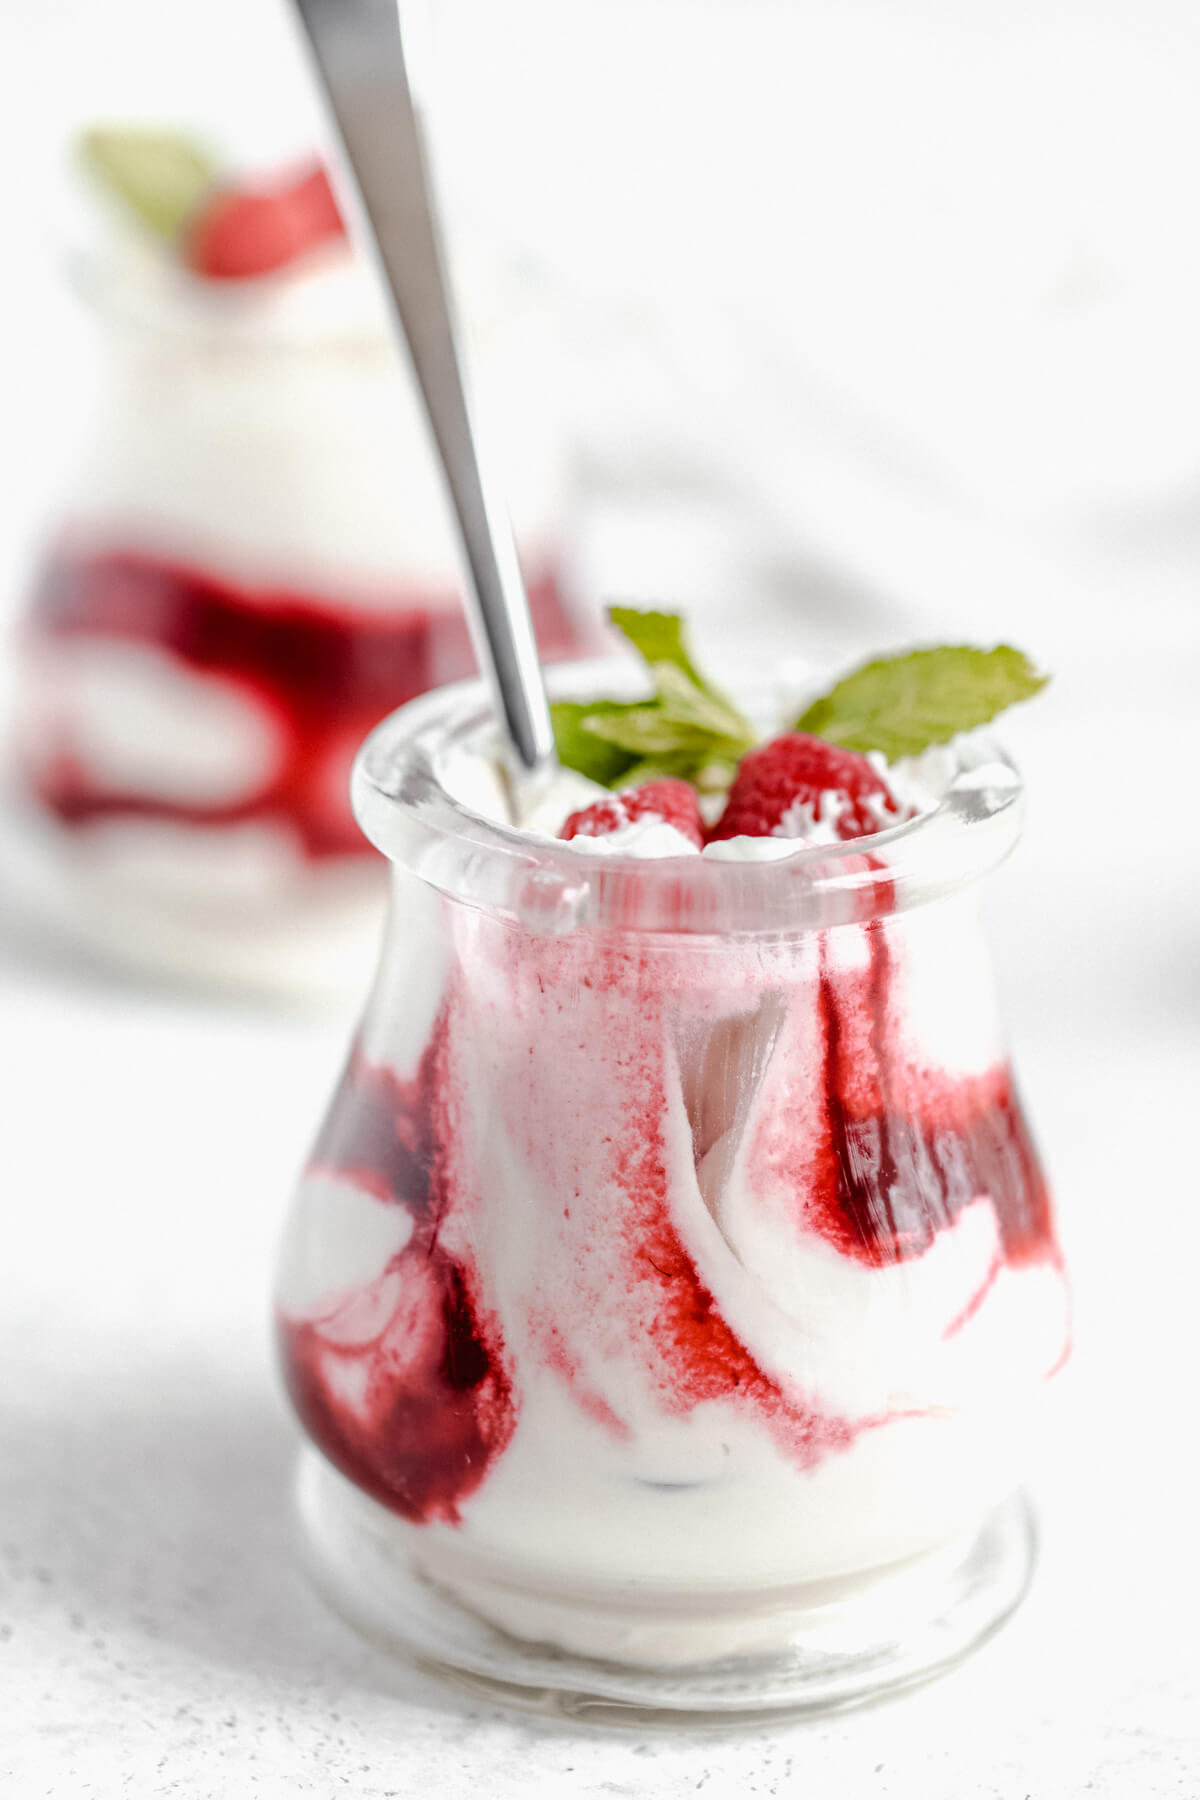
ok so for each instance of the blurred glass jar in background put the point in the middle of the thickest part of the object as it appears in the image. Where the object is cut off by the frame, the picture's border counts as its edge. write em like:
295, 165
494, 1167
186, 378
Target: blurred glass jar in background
255, 564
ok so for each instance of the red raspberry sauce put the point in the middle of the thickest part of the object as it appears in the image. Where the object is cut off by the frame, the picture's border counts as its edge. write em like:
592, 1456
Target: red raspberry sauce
405, 1387
327, 672
905, 1151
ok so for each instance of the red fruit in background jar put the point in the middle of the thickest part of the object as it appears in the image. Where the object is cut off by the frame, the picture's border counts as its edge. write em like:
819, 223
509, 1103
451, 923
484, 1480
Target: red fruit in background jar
670, 801
315, 198
242, 232
784, 788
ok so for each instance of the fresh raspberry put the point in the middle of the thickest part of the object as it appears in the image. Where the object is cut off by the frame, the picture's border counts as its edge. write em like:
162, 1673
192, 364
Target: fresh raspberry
671, 801
785, 787
314, 196
242, 232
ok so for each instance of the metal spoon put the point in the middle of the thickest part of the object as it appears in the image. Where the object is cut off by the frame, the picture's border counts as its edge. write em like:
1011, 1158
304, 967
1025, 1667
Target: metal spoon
360, 59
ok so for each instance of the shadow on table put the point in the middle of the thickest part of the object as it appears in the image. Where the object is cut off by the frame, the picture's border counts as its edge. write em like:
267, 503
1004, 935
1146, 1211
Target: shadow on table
150, 1540
155, 1529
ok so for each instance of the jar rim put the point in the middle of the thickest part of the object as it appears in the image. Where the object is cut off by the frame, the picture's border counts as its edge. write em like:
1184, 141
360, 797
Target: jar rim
405, 808
288, 310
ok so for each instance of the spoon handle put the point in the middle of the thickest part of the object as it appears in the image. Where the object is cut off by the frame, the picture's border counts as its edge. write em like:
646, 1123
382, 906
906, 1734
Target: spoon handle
360, 58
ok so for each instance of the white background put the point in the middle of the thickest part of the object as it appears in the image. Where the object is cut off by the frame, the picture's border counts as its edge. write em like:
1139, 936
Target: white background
882, 321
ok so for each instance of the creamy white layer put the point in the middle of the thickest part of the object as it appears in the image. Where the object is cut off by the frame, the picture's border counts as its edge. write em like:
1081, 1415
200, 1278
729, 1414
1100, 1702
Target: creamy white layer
272, 432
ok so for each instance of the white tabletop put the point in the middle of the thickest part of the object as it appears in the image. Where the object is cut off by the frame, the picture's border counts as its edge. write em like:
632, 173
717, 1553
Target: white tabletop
156, 1634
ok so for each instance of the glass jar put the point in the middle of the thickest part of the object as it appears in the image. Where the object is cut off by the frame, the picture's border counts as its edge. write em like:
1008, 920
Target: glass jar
674, 1282
256, 565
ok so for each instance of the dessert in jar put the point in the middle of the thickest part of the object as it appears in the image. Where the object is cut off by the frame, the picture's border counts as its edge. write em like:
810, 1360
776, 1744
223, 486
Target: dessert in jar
674, 1282
256, 565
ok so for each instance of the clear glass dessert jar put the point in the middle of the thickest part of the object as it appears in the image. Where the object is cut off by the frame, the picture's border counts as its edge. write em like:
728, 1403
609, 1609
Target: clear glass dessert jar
674, 1281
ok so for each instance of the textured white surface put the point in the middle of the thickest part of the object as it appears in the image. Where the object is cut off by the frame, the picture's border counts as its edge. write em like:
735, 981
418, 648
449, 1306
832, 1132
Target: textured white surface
157, 1636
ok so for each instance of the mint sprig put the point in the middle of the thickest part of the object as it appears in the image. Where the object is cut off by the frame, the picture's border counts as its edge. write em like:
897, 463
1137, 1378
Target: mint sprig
159, 176
687, 728
900, 705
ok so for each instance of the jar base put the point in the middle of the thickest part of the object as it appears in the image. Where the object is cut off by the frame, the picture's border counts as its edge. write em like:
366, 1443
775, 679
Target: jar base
315, 940
869, 1637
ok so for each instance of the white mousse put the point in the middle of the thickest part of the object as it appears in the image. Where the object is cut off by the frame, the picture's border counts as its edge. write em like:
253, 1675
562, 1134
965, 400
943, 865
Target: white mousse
593, 1083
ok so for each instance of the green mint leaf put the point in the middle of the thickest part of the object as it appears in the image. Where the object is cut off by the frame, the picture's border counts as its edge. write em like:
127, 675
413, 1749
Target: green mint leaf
658, 636
900, 705
661, 638
702, 707
710, 777
583, 750
687, 728
642, 730
160, 176
648, 731
654, 768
